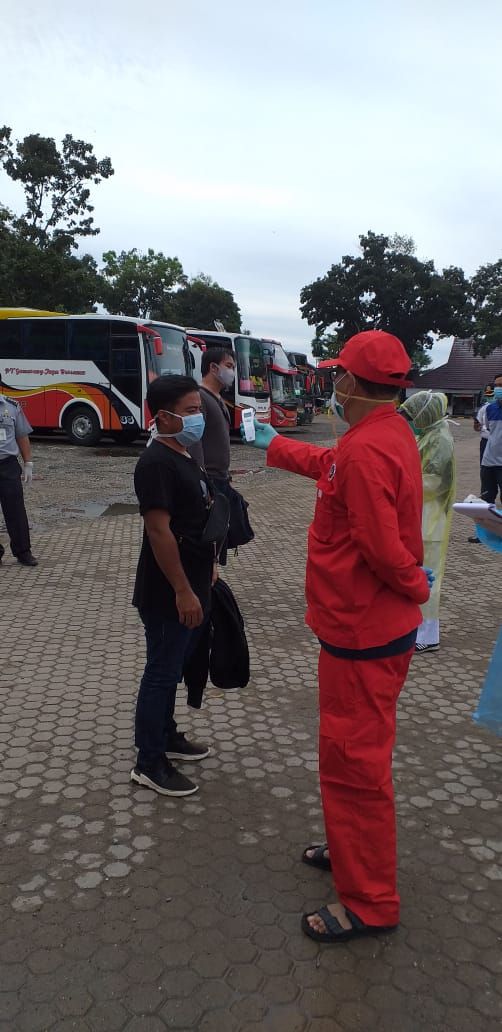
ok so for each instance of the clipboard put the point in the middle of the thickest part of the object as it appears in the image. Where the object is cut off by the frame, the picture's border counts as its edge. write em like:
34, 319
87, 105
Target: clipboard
488, 516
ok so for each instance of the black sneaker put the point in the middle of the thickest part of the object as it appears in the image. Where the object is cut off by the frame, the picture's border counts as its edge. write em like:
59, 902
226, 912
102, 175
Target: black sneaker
165, 780
427, 648
27, 559
180, 748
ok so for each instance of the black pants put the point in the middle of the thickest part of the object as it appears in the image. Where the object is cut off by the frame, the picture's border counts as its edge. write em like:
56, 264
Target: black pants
12, 503
491, 483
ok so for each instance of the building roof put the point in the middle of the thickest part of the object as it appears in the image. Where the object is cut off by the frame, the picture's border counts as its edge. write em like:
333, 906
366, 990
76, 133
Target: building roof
464, 371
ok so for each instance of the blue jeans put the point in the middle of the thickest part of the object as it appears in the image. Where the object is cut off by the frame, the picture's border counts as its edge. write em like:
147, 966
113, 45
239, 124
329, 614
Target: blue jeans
167, 645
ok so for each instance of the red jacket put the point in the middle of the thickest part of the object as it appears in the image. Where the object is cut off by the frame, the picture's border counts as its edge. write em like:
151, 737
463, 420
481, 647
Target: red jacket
364, 584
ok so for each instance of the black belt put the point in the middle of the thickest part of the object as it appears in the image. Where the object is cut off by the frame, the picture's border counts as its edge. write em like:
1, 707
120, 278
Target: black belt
393, 648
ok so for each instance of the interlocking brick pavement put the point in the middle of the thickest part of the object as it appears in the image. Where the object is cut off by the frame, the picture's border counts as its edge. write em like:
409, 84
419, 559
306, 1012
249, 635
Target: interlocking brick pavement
122, 910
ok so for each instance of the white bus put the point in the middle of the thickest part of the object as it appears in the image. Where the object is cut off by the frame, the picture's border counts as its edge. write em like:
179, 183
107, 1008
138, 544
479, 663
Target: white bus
86, 374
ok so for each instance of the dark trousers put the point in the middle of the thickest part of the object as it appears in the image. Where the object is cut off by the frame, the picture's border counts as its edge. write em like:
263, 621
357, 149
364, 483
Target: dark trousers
167, 645
491, 483
12, 503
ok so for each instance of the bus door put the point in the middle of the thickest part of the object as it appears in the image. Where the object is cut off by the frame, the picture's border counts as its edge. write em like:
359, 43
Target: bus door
126, 373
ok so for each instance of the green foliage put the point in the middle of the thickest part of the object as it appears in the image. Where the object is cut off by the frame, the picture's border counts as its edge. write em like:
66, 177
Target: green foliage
388, 289
486, 288
34, 277
139, 284
326, 345
199, 303
55, 183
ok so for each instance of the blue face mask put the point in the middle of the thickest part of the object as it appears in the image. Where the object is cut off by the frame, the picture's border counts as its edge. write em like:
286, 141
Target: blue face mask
497, 393
193, 429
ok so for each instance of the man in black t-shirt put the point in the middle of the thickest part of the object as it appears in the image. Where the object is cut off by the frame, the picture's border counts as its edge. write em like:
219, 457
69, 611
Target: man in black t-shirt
173, 580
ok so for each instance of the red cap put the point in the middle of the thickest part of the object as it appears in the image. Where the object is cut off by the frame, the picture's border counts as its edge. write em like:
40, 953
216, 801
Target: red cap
376, 356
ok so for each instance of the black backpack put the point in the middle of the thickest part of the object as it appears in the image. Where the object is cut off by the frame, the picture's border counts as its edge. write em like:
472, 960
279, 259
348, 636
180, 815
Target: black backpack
222, 650
229, 656
240, 531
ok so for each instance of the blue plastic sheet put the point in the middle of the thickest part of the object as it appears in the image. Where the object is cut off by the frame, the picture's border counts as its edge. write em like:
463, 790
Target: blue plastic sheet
492, 541
489, 711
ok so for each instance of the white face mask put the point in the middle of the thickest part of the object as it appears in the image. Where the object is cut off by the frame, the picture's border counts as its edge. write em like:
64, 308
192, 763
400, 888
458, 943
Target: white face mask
335, 405
225, 375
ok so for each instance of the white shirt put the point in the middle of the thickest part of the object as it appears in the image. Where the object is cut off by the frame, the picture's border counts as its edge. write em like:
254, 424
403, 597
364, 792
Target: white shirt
481, 419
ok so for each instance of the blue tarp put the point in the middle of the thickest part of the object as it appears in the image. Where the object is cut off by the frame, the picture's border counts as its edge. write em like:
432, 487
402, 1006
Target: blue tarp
489, 711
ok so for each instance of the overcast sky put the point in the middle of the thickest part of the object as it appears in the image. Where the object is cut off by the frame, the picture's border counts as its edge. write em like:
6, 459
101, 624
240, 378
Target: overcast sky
257, 140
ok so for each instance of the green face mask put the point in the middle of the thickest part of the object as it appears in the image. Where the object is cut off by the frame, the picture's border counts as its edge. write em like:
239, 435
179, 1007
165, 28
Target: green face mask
416, 431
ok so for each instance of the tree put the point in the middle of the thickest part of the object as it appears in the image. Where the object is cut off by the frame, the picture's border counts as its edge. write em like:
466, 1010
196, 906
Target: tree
200, 302
55, 186
139, 284
326, 345
34, 277
389, 289
486, 291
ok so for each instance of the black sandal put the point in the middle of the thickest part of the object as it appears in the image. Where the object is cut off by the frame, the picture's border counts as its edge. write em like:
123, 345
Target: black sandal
318, 859
336, 932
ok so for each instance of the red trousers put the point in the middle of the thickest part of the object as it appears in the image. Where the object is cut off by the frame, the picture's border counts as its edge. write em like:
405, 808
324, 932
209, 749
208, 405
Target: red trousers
357, 701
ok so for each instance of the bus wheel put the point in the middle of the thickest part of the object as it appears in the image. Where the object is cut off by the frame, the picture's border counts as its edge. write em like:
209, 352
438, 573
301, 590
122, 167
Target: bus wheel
82, 426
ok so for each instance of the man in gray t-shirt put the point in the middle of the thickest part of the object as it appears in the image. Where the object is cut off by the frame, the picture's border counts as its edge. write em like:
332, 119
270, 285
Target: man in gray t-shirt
218, 373
213, 450
14, 439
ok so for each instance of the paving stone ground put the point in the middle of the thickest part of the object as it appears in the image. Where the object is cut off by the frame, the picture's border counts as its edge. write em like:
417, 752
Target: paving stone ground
122, 910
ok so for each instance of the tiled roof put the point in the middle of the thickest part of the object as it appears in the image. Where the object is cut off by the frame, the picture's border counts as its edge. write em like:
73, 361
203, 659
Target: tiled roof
464, 371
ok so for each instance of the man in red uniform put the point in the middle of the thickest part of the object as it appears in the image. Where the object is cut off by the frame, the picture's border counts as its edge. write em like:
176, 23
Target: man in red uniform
364, 586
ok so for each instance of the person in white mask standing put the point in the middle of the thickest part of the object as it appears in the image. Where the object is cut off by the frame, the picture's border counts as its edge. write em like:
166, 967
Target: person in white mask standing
218, 374
213, 451
175, 572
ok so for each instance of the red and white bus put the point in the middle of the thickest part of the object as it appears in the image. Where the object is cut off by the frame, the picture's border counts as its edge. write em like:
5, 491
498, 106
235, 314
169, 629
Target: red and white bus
86, 374
281, 380
250, 389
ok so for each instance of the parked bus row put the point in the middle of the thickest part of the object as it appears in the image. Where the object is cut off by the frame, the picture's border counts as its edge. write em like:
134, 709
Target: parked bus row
88, 374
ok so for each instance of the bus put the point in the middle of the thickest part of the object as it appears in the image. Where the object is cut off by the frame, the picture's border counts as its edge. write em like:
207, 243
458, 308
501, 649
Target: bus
250, 388
305, 386
86, 374
281, 373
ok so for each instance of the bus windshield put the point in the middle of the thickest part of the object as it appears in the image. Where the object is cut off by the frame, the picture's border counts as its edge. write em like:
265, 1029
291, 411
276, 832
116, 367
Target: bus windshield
282, 387
251, 367
174, 351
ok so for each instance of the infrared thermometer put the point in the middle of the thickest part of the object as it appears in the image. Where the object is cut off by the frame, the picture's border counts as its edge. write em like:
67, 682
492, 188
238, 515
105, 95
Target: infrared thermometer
248, 417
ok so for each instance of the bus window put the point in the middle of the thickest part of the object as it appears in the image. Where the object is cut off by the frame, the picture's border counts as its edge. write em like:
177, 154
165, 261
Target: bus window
174, 351
251, 366
282, 387
89, 341
10, 339
44, 339
126, 367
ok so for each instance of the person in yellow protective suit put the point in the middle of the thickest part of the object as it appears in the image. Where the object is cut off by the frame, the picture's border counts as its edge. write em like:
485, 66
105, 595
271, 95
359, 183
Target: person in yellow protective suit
426, 412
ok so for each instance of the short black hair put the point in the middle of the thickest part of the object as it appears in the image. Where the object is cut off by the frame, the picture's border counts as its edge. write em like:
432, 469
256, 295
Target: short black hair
383, 391
497, 377
165, 391
215, 355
